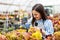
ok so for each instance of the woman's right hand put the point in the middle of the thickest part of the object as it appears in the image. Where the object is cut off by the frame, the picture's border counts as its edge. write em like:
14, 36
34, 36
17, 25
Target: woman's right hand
42, 31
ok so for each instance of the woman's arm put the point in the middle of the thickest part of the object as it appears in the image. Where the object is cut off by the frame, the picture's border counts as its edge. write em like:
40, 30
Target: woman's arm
49, 30
49, 27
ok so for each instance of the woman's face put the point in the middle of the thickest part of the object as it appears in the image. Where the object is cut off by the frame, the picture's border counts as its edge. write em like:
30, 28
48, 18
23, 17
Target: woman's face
36, 15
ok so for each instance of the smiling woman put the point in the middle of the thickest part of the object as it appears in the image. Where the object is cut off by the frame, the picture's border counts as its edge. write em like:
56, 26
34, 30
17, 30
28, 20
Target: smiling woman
40, 20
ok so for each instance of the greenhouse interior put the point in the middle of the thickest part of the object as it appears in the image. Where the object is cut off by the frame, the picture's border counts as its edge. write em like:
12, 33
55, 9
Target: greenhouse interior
29, 19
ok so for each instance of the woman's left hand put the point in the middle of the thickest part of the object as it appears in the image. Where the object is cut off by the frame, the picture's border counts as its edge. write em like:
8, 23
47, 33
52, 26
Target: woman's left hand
48, 38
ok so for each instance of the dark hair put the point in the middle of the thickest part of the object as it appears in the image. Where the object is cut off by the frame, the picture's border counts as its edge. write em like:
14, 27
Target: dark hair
39, 8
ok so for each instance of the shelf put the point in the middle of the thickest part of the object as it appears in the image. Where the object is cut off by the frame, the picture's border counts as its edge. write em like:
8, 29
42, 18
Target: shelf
2, 20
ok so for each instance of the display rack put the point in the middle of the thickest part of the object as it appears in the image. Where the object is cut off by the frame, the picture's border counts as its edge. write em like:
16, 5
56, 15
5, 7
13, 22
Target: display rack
2, 22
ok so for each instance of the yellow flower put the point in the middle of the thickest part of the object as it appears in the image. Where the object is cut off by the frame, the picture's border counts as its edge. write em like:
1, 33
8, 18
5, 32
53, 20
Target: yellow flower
37, 35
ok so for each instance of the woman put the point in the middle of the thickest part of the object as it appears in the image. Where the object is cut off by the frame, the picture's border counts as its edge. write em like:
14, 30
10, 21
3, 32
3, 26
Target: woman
40, 20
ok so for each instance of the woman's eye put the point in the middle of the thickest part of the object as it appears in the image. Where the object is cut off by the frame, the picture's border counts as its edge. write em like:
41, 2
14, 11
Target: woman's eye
35, 14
